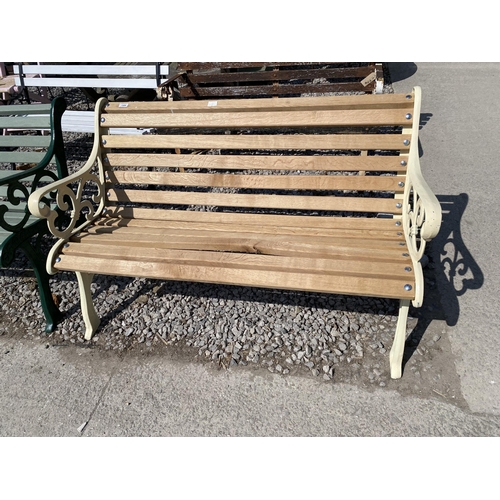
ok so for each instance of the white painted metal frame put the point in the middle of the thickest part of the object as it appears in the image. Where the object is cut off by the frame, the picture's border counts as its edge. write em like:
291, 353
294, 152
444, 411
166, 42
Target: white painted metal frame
134, 75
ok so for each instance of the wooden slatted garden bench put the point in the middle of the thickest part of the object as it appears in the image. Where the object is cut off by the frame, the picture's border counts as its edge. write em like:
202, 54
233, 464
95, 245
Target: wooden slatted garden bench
311, 194
29, 160
219, 80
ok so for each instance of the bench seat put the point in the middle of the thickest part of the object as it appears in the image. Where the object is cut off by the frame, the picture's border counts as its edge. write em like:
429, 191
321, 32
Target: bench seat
263, 254
309, 194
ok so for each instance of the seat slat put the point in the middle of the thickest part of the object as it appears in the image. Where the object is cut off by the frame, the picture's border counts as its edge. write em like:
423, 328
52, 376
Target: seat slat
287, 142
314, 282
243, 261
148, 233
294, 182
227, 226
241, 162
343, 118
344, 248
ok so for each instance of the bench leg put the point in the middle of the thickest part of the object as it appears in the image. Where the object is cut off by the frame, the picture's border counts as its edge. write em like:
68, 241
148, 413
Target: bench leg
88, 311
398, 346
50, 310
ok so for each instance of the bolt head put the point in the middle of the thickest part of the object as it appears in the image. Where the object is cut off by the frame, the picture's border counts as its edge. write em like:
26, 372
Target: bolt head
104, 141
398, 205
408, 288
408, 96
58, 259
406, 142
408, 269
104, 119
398, 223
408, 116
403, 163
401, 184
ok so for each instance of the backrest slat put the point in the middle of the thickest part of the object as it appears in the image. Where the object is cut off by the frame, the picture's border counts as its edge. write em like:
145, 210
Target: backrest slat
333, 156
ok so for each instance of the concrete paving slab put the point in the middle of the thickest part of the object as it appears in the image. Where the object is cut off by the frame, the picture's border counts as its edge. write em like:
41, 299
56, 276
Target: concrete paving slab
459, 159
69, 391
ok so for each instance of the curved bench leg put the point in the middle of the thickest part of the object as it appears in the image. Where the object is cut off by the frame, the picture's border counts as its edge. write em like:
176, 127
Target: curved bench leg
88, 311
398, 346
50, 310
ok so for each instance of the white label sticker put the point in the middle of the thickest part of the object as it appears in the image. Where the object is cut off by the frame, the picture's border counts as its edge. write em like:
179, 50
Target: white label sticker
123, 105
212, 103
369, 79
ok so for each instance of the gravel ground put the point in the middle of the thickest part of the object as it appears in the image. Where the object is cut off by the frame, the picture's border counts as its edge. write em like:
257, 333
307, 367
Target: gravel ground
329, 337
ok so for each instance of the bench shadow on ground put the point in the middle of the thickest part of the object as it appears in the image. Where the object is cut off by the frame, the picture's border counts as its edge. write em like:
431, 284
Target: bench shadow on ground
451, 272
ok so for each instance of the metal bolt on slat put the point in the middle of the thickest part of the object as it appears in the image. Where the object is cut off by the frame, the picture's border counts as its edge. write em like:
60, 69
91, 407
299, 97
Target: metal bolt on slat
401, 184
408, 287
403, 162
398, 223
406, 142
407, 269
408, 116
398, 205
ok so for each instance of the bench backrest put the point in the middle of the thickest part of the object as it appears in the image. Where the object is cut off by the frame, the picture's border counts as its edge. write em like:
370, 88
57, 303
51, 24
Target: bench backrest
28, 159
333, 156
279, 79
117, 75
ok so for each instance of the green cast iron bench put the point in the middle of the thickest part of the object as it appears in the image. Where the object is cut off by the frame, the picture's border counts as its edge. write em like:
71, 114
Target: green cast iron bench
313, 194
28, 160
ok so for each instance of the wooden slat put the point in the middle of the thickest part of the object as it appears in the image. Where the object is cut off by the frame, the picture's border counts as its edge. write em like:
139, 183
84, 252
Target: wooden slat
24, 140
328, 203
307, 142
264, 220
25, 122
259, 90
294, 182
22, 156
25, 109
6, 174
281, 75
258, 162
228, 226
343, 118
364, 101
237, 238
203, 66
245, 261
343, 249
386, 288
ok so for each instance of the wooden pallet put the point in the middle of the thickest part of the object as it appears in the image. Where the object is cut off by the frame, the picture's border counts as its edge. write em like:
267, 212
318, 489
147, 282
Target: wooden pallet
194, 80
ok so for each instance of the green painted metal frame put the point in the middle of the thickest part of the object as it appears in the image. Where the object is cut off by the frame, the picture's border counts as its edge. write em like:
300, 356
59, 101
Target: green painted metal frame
27, 235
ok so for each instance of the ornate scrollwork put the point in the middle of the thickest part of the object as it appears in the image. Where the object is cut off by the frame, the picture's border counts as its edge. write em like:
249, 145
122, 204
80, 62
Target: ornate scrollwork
18, 191
76, 208
421, 217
